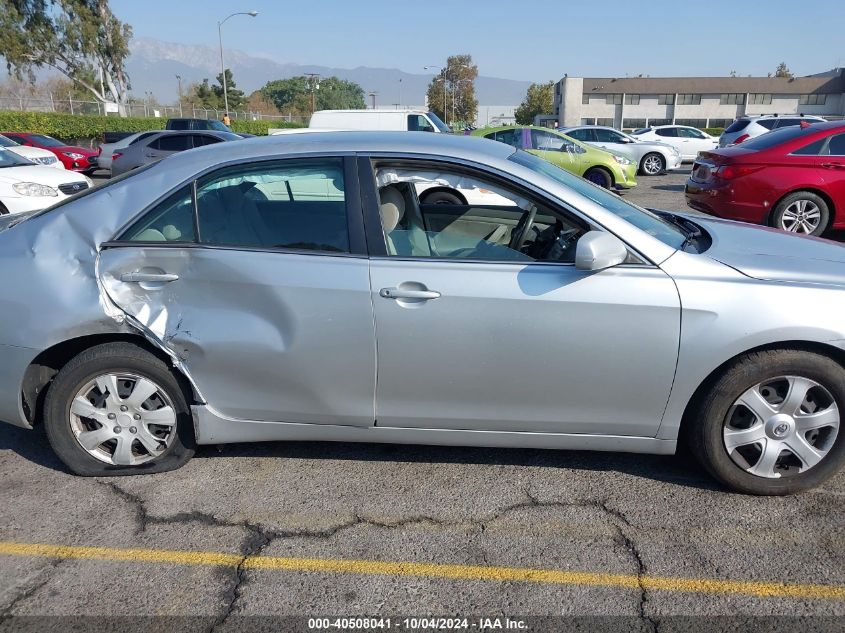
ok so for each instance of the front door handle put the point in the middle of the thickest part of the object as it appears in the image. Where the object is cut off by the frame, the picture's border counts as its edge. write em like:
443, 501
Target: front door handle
833, 165
140, 278
401, 293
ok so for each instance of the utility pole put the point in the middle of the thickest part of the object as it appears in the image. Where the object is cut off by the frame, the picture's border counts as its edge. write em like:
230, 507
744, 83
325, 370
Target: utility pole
314, 84
373, 95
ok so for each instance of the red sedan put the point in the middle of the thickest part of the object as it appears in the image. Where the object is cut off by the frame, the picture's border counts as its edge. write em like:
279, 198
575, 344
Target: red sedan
792, 179
73, 157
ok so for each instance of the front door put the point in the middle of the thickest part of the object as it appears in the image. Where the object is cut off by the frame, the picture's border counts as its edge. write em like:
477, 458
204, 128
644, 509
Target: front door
557, 150
491, 327
267, 305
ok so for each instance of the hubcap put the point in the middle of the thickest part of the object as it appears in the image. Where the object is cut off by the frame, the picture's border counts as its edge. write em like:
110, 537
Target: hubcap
652, 165
123, 419
802, 216
781, 427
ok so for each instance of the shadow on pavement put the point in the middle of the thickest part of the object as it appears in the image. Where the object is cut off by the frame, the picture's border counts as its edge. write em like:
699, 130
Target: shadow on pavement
679, 469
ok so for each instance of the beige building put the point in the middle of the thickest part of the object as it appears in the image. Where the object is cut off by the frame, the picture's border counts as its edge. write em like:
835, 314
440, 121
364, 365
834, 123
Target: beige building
635, 102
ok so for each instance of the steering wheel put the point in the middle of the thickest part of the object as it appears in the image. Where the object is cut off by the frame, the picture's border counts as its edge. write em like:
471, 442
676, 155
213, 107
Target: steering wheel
520, 231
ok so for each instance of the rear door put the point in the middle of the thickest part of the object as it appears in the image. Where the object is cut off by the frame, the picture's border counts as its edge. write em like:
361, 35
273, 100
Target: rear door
833, 166
262, 293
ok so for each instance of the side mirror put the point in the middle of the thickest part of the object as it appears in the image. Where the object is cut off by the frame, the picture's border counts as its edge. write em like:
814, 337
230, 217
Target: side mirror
597, 250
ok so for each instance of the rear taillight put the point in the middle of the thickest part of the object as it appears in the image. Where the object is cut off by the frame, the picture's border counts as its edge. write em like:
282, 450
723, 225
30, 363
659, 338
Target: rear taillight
116, 155
731, 172
740, 139
99, 150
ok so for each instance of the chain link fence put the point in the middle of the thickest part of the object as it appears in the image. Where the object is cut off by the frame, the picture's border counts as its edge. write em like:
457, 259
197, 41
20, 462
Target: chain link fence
42, 103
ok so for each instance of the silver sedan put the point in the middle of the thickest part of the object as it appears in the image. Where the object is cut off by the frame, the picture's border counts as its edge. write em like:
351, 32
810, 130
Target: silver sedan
294, 288
652, 157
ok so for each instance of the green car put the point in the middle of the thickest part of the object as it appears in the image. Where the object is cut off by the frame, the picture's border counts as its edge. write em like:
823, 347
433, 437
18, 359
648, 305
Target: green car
606, 169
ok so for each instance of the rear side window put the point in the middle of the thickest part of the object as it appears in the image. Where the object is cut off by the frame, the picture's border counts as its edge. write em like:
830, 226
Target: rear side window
584, 134
769, 124
737, 126
788, 122
297, 204
837, 145
669, 131
142, 137
171, 143
204, 139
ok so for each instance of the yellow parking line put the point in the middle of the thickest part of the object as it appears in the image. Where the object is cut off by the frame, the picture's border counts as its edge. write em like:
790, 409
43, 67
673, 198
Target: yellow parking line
430, 570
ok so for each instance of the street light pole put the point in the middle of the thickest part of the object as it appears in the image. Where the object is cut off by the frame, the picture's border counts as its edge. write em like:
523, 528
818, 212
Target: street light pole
251, 14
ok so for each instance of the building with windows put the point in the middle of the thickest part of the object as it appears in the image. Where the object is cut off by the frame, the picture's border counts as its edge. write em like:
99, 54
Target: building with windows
636, 102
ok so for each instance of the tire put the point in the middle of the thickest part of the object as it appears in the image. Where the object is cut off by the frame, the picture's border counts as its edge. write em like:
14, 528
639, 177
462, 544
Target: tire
788, 213
442, 197
168, 428
599, 176
652, 164
763, 378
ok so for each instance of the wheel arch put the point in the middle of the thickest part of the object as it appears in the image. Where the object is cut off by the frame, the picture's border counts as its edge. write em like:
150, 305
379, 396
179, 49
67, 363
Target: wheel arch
694, 402
603, 168
43, 368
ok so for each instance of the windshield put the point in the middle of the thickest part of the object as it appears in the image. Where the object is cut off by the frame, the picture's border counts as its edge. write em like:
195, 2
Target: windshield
46, 141
214, 124
10, 159
651, 223
438, 123
7, 142
771, 139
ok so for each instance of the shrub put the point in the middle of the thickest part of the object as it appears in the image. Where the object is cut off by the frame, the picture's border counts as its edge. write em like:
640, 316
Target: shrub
714, 131
70, 127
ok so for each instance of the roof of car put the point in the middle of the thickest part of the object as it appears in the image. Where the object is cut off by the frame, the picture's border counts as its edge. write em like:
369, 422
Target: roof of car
755, 117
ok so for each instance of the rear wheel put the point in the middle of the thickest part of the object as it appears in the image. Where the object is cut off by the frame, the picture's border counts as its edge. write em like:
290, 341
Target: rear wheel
802, 212
771, 424
600, 177
652, 164
116, 409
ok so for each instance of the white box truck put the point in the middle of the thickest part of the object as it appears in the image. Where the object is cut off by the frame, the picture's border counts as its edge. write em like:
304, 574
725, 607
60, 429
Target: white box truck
383, 120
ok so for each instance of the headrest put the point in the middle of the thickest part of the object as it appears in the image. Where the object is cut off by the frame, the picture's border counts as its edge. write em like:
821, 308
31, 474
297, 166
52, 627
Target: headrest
392, 207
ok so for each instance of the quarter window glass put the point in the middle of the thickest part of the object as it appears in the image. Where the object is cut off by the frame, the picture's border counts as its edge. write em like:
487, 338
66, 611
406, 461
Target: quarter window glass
170, 221
493, 224
837, 145
171, 143
738, 126
292, 205
769, 124
813, 149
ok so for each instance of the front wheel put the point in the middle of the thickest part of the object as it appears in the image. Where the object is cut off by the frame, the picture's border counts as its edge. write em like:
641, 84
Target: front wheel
770, 425
116, 409
600, 177
652, 165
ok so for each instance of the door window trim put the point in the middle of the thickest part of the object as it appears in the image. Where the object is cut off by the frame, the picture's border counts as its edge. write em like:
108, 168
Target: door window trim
372, 219
354, 211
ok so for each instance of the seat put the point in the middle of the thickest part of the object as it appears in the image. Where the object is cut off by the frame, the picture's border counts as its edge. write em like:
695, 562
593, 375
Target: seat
229, 216
403, 230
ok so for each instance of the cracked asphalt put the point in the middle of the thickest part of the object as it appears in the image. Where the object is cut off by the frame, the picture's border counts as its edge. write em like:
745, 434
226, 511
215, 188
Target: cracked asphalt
613, 522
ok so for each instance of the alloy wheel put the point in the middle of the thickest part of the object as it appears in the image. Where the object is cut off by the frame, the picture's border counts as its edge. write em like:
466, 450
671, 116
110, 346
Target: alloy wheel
652, 165
781, 427
123, 419
802, 216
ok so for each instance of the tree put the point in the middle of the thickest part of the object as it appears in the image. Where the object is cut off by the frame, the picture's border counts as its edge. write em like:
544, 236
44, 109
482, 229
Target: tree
204, 94
293, 95
539, 99
457, 80
259, 103
235, 97
783, 71
82, 39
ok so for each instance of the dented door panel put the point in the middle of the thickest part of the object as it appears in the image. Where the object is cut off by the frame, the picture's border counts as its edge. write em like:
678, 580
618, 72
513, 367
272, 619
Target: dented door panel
267, 336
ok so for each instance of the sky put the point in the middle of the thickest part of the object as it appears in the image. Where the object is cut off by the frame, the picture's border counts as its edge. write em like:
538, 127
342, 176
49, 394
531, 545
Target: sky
515, 39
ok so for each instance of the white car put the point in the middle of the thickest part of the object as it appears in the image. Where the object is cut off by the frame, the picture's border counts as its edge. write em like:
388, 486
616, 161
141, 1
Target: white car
35, 154
25, 186
652, 157
689, 141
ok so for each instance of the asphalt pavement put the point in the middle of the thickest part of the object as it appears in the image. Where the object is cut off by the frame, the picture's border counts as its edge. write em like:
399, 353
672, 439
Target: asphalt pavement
321, 529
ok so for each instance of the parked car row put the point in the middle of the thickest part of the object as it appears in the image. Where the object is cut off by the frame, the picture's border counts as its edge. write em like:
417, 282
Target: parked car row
28, 186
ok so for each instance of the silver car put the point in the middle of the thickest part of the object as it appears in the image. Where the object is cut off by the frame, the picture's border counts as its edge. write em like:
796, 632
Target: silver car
154, 147
653, 157
107, 151
294, 288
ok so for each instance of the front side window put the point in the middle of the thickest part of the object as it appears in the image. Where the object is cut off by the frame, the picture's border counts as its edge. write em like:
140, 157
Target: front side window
816, 148
170, 221
297, 204
483, 221
688, 132
512, 137
418, 123
548, 142
836, 147
609, 136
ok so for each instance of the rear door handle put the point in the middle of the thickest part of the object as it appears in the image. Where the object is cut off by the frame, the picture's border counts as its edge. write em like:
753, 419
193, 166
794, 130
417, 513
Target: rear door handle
833, 165
401, 293
138, 277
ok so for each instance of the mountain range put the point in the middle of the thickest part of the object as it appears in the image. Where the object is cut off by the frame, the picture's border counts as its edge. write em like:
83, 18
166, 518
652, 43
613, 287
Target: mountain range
154, 64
